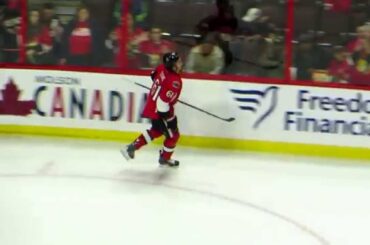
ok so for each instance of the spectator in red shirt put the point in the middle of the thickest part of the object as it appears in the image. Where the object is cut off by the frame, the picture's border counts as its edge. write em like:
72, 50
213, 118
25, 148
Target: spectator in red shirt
33, 31
39, 41
338, 5
155, 47
340, 67
136, 35
81, 42
361, 57
113, 43
34, 24
357, 43
53, 25
14, 4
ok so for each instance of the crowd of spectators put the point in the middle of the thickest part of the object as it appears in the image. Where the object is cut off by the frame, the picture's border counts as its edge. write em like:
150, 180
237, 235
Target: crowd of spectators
82, 40
78, 41
345, 63
10, 34
351, 63
44, 36
340, 56
222, 42
57, 34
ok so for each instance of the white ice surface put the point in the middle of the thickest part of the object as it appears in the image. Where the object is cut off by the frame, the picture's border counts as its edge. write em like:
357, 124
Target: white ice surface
74, 192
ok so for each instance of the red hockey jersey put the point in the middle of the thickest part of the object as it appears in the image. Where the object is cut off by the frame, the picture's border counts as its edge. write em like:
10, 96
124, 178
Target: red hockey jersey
163, 94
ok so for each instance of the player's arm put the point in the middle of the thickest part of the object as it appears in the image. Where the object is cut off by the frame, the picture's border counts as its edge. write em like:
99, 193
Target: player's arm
164, 108
165, 113
168, 117
167, 96
153, 74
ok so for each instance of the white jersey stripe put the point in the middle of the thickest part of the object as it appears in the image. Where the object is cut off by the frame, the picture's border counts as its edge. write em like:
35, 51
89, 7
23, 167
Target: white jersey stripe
171, 118
147, 137
168, 149
169, 131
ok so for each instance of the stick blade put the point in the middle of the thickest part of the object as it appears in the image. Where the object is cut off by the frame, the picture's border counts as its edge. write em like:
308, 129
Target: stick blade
230, 119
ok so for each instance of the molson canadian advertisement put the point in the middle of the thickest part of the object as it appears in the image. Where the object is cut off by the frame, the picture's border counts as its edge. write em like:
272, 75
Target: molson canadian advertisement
225, 110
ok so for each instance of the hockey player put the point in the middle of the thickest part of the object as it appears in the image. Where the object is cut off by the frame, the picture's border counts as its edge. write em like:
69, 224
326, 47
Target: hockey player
159, 108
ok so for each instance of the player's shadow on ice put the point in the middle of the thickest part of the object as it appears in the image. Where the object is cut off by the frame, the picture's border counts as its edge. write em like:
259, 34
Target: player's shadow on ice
153, 177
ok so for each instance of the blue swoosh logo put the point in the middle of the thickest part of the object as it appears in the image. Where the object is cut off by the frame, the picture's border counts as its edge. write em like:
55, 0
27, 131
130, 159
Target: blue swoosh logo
274, 90
253, 104
247, 100
247, 92
248, 108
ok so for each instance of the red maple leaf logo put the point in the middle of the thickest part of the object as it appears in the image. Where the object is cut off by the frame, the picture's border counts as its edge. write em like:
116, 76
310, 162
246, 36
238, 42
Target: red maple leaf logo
11, 105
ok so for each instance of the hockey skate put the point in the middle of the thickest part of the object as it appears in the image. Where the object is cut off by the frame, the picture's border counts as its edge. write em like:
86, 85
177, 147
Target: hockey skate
167, 162
128, 152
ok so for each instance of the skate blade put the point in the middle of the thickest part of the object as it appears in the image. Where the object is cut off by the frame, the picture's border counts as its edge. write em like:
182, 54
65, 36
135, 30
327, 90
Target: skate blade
125, 154
169, 166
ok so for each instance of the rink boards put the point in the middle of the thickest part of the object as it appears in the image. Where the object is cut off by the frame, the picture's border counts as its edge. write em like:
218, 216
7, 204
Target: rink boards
268, 117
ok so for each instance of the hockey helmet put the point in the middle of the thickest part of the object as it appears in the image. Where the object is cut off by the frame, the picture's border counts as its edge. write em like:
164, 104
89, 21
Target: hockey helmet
169, 59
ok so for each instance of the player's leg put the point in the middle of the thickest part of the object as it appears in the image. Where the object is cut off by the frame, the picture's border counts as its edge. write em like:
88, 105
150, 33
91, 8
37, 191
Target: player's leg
172, 135
145, 138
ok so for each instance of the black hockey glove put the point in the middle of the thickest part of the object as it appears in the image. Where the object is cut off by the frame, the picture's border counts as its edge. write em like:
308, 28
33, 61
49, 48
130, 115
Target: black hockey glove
164, 115
152, 75
172, 124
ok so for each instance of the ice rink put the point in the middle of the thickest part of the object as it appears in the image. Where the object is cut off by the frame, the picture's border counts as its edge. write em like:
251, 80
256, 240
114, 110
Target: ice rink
75, 192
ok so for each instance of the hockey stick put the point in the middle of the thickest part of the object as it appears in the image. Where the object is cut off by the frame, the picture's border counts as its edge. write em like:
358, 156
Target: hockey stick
196, 108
